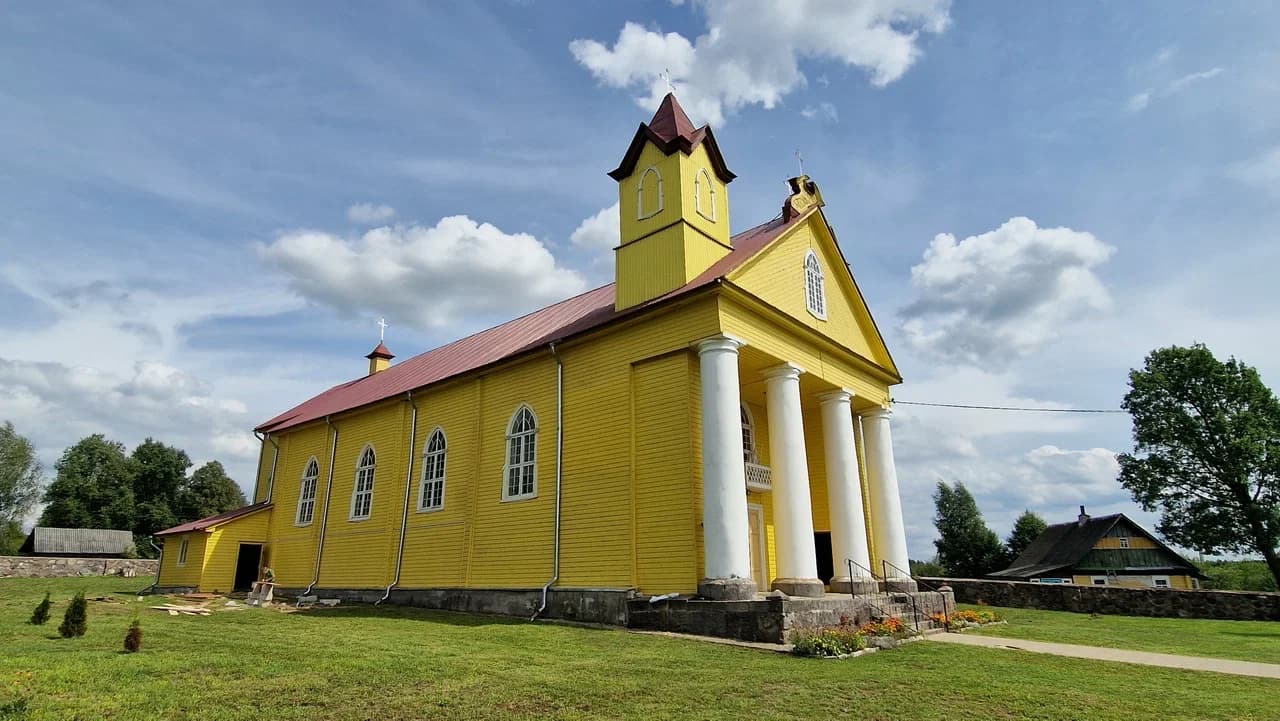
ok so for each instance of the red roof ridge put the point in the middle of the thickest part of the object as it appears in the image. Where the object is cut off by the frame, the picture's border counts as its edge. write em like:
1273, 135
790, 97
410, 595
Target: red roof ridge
670, 121
215, 519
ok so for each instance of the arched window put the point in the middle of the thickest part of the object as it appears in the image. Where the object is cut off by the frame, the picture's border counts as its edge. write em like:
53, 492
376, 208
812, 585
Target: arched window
748, 436
814, 293
431, 492
704, 195
521, 471
649, 194
307, 493
362, 494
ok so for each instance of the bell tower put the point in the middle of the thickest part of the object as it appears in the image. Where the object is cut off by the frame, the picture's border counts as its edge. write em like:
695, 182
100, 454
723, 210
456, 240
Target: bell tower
673, 200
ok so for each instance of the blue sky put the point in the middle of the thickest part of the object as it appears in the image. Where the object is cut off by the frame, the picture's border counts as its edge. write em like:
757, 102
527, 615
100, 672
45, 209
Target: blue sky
1031, 197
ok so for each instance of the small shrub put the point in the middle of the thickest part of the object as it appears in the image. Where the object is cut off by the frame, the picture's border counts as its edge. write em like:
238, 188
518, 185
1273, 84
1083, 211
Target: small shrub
964, 618
41, 614
76, 620
835, 641
133, 639
891, 626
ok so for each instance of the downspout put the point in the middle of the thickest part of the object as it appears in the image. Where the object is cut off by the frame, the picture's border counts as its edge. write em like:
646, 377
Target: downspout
555, 570
271, 479
159, 565
328, 494
408, 483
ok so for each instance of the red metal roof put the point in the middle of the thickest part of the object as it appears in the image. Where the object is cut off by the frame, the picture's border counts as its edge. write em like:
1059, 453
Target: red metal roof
381, 352
671, 121
205, 523
670, 130
556, 322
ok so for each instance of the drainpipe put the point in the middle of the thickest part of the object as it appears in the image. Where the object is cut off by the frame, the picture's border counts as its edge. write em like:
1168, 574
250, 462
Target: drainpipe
408, 483
159, 565
555, 571
328, 494
275, 459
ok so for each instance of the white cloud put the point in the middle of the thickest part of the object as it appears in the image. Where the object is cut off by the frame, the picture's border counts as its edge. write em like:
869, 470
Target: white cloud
370, 213
822, 111
751, 51
600, 232
1262, 171
1141, 101
1005, 293
427, 277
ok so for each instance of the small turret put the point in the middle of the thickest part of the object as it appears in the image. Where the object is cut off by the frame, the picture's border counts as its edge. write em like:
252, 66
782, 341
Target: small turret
379, 359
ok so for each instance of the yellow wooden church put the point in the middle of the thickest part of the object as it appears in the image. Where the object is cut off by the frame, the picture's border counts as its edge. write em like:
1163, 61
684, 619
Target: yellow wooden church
714, 422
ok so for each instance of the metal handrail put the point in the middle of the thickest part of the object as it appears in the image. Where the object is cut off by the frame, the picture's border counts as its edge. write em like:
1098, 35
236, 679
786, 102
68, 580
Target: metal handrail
915, 609
851, 563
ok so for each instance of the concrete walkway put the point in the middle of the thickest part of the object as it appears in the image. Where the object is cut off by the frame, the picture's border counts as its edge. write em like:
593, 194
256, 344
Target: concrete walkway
1168, 660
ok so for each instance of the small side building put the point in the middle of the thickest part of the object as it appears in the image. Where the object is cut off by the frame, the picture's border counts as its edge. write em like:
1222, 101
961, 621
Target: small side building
1105, 551
78, 543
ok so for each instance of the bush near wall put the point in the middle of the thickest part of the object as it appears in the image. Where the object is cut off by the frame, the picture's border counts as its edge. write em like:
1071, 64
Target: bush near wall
1238, 576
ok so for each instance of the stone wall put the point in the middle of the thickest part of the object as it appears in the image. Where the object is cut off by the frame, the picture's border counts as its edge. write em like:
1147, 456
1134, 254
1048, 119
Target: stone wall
1118, 601
41, 567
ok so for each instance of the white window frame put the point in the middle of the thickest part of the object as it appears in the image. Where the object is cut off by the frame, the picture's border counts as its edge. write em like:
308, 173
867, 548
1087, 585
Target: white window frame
815, 291
1156, 580
644, 176
362, 487
183, 546
1195, 583
434, 468
749, 444
697, 194
526, 443
1098, 581
305, 501
1124, 541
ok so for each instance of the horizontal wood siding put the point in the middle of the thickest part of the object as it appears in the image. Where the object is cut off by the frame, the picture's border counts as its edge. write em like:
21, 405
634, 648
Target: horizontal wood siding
291, 551
222, 550
171, 574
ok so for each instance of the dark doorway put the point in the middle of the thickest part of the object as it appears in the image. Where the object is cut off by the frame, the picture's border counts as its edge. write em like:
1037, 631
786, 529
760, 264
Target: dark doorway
822, 545
247, 564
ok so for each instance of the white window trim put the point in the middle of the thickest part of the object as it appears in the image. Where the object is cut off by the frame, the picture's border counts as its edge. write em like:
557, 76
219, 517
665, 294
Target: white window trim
751, 455
302, 487
1155, 582
1124, 541
1094, 581
183, 546
422, 483
506, 454
812, 281
355, 484
640, 214
697, 194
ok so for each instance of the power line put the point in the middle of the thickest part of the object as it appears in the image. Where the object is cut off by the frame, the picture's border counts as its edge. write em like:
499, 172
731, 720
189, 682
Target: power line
1010, 408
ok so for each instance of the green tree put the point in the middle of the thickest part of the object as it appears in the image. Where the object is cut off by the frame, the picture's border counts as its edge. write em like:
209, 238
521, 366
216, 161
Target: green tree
161, 472
209, 491
1206, 452
1026, 529
967, 548
20, 480
93, 487
76, 620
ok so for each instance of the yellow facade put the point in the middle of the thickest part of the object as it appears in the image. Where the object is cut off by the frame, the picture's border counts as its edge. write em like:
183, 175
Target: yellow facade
630, 420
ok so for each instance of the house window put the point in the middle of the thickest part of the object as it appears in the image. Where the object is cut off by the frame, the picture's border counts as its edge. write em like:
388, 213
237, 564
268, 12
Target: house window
362, 494
1124, 541
748, 436
521, 470
814, 293
182, 551
431, 493
1099, 580
307, 494
1160, 581
1195, 583
649, 194
704, 195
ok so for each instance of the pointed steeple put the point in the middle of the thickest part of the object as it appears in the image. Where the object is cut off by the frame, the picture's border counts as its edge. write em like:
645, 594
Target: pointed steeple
671, 121
379, 359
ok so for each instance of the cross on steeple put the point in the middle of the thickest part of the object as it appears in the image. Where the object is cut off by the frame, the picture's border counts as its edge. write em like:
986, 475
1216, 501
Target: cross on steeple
666, 77
800, 160
382, 329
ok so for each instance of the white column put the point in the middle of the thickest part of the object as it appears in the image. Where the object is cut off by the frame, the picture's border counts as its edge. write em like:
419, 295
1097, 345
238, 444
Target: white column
792, 511
844, 496
886, 507
725, 535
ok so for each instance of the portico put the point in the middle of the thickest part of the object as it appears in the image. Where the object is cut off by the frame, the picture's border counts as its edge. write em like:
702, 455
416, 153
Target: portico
800, 490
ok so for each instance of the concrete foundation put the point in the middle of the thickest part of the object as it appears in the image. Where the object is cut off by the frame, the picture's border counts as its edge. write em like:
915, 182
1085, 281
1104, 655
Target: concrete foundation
806, 587
861, 586
727, 589
589, 605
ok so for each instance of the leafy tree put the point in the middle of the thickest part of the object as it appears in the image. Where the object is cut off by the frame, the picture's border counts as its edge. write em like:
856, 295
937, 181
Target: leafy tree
967, 548
928, 569
41, 613
1206, 452
207, 492
93, 487
20, 480
161, 472
76, 620
1026, 529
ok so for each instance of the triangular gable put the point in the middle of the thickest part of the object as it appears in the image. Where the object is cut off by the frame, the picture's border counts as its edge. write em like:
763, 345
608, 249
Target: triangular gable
776, 276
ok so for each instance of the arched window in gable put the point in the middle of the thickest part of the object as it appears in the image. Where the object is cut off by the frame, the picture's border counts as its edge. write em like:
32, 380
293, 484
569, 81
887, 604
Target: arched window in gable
815, 293
307, 493
649, 194
431, 491
520, 474
362, 494
748, 435
704, 195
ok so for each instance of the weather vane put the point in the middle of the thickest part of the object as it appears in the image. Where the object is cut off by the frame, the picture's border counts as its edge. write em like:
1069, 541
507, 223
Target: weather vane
382, 329
800, 160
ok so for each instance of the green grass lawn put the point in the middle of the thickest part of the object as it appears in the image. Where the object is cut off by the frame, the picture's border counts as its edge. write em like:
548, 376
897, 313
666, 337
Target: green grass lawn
1241, 640
357, 662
